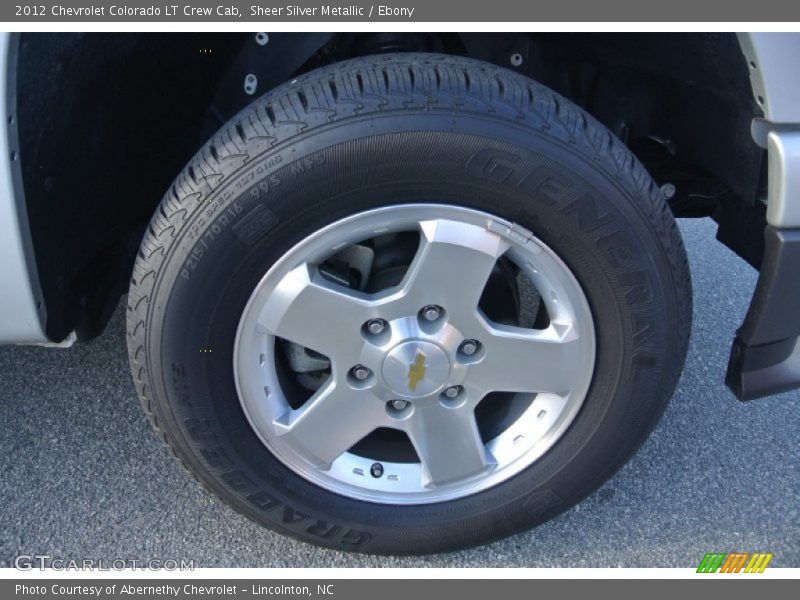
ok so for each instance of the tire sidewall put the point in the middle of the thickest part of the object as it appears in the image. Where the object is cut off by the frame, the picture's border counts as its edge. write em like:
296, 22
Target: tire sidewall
257, 212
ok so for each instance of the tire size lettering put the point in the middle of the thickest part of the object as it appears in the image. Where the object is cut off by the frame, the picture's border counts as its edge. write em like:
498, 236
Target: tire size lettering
268, 182
305, 164
208, 236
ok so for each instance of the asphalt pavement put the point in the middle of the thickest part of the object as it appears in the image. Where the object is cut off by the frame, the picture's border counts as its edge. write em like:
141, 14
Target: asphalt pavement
82, 476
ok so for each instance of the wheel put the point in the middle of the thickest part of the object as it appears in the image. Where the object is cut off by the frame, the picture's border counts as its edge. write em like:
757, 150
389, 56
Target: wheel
407, 304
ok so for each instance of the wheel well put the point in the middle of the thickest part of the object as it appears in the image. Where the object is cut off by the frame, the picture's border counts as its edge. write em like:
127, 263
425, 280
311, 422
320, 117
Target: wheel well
106, 121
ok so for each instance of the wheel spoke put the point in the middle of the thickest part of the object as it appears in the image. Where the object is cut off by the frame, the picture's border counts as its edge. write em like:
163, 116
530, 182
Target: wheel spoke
448, 444
528, 360
307, 309
451, 267
330, 422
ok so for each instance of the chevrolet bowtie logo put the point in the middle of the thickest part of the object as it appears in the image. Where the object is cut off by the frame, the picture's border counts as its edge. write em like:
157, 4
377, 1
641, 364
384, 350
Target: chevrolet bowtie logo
416, 370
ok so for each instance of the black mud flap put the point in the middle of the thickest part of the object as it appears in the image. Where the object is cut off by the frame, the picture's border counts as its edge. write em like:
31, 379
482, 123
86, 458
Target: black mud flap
765, 357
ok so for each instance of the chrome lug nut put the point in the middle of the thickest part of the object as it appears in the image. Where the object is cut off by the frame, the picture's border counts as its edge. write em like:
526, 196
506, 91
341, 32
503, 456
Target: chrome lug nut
376, 326
398, 404
452, 391
361, 372
469, 347
431, 312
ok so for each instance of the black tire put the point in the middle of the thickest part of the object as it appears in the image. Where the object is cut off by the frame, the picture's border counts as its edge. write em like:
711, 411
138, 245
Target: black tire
396, 129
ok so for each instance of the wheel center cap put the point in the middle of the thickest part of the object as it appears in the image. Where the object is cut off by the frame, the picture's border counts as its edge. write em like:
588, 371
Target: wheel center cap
415, 368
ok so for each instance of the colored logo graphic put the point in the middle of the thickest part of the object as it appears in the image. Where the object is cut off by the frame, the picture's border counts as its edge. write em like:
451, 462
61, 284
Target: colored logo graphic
416, 371
734, 562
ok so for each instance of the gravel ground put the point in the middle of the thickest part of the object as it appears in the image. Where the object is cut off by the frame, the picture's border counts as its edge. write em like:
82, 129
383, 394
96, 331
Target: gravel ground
83, 477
